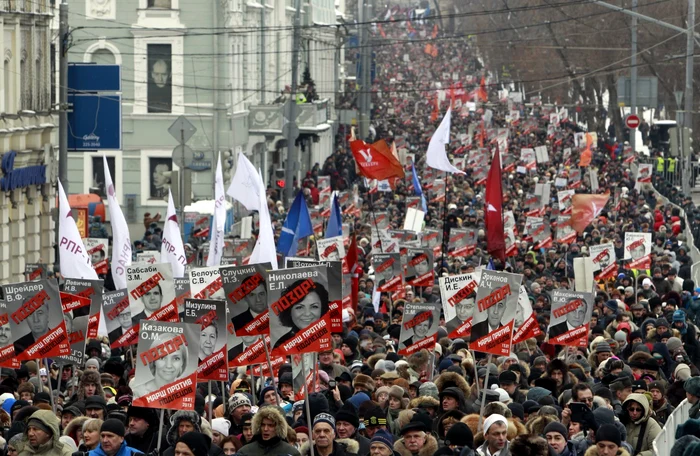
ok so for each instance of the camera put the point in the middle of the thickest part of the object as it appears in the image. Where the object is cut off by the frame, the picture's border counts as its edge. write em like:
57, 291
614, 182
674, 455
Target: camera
331, 384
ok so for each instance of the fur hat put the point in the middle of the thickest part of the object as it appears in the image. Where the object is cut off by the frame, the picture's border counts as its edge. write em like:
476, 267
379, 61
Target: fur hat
364, 382
529, 445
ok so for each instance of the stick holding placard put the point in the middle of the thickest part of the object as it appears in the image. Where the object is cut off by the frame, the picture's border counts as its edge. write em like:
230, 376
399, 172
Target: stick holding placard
308, 409
483, 396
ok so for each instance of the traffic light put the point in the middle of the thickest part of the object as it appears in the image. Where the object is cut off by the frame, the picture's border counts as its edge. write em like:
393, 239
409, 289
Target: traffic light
279, 178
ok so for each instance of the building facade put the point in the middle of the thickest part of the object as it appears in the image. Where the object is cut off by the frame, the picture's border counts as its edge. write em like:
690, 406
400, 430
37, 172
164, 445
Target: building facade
27, 138
219, 63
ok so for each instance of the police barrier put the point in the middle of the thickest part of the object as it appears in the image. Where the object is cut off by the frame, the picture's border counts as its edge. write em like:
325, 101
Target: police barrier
664, 441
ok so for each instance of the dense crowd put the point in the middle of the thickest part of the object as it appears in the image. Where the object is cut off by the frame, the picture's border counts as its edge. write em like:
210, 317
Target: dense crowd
610, 397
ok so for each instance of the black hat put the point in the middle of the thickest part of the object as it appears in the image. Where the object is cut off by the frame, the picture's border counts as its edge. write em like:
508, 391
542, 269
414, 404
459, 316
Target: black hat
114, 426
197, 442
556, 426
547, 383
621, 383
420, 422
114, 367
517, 410
286, 379
507, 378
531, 406
94, 402
459, 435
348, 413
344, 377
639, 385
42, 397
73, 410
491, 396
608, 433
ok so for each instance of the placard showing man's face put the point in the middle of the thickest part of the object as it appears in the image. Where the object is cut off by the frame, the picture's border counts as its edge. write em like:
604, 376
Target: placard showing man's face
159, 78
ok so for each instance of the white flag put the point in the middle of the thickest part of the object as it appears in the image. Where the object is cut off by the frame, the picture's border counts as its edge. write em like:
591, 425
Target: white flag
216, 243
436, 156
246, 187
171, 250
264, 250
121, 242
75, 262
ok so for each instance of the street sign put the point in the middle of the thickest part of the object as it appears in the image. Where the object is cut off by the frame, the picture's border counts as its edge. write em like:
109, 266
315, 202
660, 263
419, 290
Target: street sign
182, 130
95, 122
185, 157
89, 77
180, 153
632, 121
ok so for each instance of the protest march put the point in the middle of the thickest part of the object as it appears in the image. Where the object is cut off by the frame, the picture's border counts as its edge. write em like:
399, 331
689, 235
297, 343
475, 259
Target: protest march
479, 276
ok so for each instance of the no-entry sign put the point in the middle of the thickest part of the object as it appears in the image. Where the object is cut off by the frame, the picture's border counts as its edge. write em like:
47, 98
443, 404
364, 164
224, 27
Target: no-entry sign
632, 121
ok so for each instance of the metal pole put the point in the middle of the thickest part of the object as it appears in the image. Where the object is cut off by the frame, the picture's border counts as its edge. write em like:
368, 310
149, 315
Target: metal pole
63, 97
290, 129
308, 408
483, 392
217, 97
633, 77
263, 84
688, 117
181, 191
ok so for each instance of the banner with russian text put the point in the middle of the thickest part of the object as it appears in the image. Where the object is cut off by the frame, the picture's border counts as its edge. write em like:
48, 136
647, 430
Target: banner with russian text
118, 316
330, 249
299, 304
565, 232
210, 316
36, 319
35, 271
419, 327
92, 289
569, 323
7, 348
151, 297
496, 306
205, 283
335, 286
246, 298
462, 242
76, 327
458, 294
182, 292
166, 365
432, 239
525, 324
98, 249
638, 250
419, 267
388, 273
604, 260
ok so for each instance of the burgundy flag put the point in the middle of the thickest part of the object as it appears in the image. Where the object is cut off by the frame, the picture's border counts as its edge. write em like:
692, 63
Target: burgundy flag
495, 234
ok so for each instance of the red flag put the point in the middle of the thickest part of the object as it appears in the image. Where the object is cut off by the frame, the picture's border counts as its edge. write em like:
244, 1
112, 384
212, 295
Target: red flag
409, 27
495, 232
436, 110
375, 161
587, 153
585, 209
381, 30
482, 93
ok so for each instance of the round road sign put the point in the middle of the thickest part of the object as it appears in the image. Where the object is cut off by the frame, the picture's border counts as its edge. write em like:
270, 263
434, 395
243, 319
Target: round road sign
632, 121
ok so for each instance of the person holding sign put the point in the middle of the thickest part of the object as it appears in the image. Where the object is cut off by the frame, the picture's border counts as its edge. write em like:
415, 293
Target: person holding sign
305, 312
165, 369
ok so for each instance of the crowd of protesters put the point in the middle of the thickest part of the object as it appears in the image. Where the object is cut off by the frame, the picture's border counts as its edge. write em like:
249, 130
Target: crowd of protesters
609, 398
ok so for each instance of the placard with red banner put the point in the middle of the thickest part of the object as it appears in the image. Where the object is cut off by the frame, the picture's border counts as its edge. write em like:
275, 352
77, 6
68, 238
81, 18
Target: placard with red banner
7, 348
644, 172
458, 294
35, 271
299, 304
388, 273
569, 323
166, 365
36, 319
246, 299
565, 199
419, 267
380, 220
565, 232
330, 249
205, 283
335, 286
118, 317
243, 248
541, 233
431, 239
250, 351
92, 289
525, 325
462, 242
263, 369
98, 249
638, 250
151, 297
511, 247
302, 375
76, 328
210, 316
182, 292
419, 327
494, 316
324, 189
604, 260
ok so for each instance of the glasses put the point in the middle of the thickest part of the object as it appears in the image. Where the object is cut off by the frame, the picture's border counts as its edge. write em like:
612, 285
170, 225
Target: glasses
634, 409
588, 400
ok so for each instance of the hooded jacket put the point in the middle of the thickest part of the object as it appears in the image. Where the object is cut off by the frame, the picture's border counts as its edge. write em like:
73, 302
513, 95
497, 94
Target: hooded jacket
634, 428
124, 450
89, 377
275, 446
53, 447
71, 430
593, 451
173, 434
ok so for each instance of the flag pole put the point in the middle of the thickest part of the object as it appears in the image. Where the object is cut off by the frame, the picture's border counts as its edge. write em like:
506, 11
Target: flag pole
445, 238
272, 375
306, 405
483, 398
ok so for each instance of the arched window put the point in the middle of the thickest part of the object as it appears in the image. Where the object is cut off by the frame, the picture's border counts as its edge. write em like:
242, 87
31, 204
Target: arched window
104, 57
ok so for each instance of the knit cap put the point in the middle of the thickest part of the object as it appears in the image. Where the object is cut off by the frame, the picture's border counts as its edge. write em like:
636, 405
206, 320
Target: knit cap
603, 347
673, 344
682, 372
385, 438
609, 433
556, 426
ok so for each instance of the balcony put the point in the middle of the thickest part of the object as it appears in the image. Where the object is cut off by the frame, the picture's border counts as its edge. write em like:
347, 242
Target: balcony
268, 119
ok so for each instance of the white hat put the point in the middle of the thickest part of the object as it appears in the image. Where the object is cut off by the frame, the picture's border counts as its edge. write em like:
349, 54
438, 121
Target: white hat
6, 396
42, 371
495, 418
221, 425
502, 395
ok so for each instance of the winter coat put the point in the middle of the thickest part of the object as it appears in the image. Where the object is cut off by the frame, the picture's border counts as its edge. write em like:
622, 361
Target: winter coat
277, 446
53, 447
593, 451
662, 413
483, 450
634, 428
341, 447
430, 447
124, 450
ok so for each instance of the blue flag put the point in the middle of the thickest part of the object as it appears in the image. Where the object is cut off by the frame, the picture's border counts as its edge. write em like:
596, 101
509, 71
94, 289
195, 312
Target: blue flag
335, 224
491, 266
296, 226
418, 189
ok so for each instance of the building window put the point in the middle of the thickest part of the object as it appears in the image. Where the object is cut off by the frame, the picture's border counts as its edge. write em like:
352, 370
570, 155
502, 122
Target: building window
97, 186
103, 57
160, 90
160, 170
7, 80
160, 4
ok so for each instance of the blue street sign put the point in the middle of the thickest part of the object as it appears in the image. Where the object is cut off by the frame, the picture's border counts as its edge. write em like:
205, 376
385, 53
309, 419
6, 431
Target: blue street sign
95, 122
89, 77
